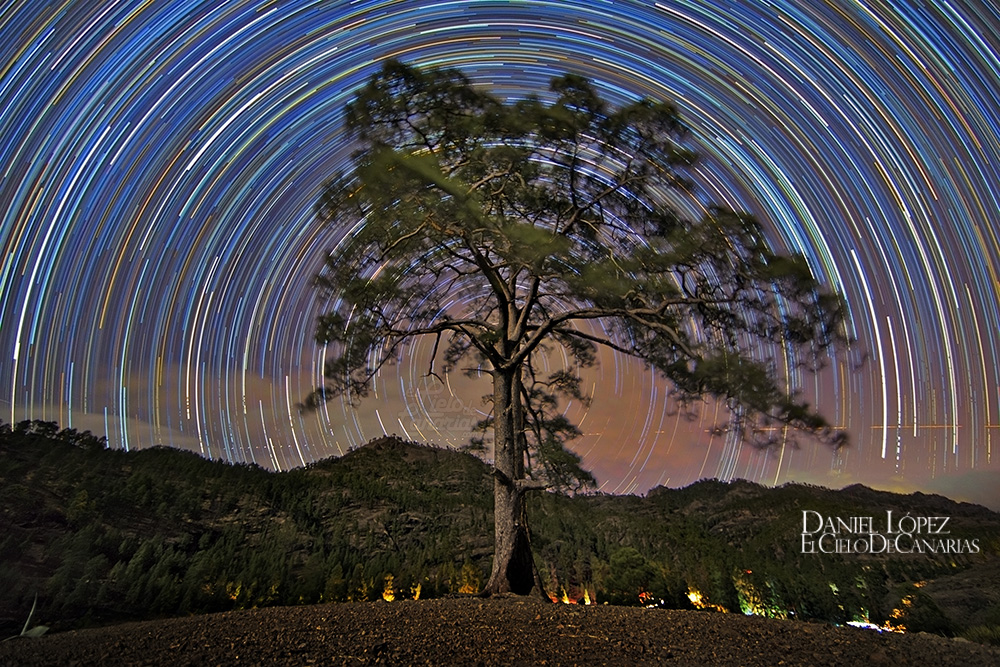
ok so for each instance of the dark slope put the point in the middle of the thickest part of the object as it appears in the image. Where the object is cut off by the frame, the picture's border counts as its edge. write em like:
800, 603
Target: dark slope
103, 536
502, 632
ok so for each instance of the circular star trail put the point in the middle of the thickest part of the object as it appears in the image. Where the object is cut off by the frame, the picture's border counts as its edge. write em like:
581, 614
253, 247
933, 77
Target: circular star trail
160, 161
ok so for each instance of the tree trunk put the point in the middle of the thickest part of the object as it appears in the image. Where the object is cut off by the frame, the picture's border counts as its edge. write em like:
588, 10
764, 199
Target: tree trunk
513, 566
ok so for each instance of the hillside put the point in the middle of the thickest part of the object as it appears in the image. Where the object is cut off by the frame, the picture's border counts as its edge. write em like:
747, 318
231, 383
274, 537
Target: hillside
501, 632
103, 535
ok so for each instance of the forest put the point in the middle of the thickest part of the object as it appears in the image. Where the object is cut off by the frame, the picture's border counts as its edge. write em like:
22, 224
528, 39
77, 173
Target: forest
99, 535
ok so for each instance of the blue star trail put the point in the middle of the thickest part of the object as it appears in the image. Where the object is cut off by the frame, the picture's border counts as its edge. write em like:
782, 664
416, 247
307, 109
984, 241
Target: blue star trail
159, 162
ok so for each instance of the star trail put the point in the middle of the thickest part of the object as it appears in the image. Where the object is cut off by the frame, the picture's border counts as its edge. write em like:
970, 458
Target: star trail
159, 162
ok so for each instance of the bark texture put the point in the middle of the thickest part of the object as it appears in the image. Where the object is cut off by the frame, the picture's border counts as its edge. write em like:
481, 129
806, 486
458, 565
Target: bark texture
513, 565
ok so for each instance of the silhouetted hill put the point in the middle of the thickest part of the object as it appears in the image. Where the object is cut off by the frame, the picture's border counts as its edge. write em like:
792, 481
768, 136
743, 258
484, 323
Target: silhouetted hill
103, 535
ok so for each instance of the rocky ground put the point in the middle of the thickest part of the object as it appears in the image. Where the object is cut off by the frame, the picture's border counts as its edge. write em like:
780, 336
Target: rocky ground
508, 631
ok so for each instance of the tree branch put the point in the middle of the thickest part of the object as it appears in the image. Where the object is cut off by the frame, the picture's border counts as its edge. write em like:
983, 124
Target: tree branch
596, 339
524, 485
430, 368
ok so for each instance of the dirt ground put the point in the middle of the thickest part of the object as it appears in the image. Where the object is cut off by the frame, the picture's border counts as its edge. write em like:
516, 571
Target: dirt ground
505, 631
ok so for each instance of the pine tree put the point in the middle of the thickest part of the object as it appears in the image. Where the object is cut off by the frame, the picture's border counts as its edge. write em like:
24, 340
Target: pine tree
562, 223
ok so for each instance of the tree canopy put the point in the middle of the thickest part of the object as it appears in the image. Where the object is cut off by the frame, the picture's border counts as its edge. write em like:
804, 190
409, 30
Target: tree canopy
505, 229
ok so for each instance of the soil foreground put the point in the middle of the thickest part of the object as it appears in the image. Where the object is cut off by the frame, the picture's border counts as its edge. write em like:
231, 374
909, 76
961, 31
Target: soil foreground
505, 631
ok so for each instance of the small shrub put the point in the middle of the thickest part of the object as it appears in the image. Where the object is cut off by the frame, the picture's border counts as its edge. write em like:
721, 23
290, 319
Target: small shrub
983, 634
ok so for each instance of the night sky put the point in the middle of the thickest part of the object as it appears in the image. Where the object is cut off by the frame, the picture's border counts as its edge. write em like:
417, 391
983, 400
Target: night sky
160, 161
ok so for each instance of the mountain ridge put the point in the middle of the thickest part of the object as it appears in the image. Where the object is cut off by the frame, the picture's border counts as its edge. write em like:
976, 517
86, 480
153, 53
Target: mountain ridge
103, 535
